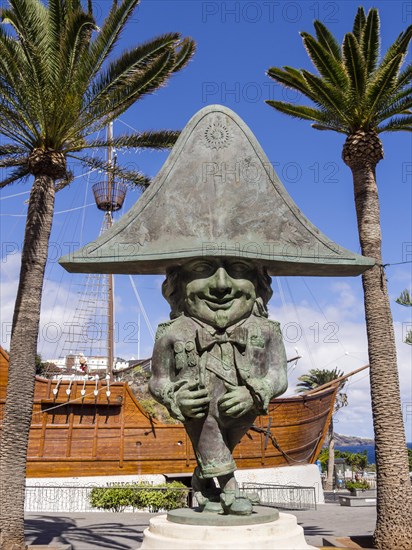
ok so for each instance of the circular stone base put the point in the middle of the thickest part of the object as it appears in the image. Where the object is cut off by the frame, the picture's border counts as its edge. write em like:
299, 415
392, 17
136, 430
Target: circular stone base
281, 534
194, 516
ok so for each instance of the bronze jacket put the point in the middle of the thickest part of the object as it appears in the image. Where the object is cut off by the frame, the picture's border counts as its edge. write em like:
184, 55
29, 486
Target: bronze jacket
250, 353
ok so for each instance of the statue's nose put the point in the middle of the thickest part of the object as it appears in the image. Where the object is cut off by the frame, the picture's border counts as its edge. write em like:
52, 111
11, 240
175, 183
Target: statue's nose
221, 284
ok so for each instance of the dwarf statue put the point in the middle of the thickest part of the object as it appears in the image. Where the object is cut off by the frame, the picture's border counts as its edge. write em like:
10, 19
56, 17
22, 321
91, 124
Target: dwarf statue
216, 365
219, 361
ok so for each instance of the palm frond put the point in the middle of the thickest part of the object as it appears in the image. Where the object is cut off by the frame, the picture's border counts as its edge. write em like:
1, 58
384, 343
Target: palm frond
14, 126
93, 59
404, 299
11, 149
112, 104
184, 54
317, 377
334, 128
327, 40
148, 140
398, 105
74, 43
11, 58
27, 18
403, 123
355, 66
306, 113
382, 85
64, 182
19, 173
327, 65
359, 24
400, 46
13, 161
327, 95
370, 41
404, 78
130, 176
132, 64
291, 78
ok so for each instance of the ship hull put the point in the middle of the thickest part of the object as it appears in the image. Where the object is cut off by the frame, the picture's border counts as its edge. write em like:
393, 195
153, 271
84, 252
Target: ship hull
79, 430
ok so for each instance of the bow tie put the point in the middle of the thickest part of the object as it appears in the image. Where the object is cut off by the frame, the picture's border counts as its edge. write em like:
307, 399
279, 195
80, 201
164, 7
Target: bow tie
206, 341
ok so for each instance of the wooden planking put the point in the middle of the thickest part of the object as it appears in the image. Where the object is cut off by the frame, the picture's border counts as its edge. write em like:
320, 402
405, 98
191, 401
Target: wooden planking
4, 367
97, 435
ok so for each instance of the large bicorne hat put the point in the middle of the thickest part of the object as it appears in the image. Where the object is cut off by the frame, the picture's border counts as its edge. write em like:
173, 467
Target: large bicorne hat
216, 195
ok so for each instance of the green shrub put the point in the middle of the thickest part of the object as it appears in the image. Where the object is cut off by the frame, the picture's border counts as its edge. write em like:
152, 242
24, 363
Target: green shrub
352, 485
140, 495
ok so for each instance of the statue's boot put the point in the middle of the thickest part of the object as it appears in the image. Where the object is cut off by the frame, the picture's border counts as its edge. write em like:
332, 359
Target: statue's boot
206, 492
233, 503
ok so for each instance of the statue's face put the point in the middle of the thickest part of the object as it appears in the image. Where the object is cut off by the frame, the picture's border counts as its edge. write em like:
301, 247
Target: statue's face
219, 292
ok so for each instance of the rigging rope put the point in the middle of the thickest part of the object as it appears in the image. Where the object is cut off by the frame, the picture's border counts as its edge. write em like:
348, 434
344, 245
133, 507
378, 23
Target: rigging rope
142, 309
54, 214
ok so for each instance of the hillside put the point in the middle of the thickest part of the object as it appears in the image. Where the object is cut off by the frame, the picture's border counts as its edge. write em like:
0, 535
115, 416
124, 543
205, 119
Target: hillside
349, 440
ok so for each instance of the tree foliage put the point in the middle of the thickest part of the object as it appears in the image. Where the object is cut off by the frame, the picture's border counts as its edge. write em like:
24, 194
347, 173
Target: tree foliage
317, 377
353, 88
60, 85
405, 300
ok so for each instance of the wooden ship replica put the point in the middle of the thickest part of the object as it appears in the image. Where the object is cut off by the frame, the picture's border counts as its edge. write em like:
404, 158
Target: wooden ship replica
97, 427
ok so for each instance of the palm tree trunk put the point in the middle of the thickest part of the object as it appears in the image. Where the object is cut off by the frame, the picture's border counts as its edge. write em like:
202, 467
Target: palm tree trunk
394, 493
23, 347
331, 458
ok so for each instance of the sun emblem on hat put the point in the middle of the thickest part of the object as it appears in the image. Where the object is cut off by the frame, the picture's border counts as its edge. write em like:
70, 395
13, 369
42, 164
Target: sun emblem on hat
217, 135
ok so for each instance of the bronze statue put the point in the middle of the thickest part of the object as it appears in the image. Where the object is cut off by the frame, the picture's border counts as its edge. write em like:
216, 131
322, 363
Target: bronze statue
216, 365
217, 220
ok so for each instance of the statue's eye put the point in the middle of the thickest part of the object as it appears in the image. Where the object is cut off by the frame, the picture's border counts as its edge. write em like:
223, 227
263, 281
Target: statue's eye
239, 267
203, 268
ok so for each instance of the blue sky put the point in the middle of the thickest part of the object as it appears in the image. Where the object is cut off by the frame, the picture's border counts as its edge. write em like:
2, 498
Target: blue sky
237, 42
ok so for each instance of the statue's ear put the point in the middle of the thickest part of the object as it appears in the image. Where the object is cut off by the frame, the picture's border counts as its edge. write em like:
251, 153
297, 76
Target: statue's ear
259, 309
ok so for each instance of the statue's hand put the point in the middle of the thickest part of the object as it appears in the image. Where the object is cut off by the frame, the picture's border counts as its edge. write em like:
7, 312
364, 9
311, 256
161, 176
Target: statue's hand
236, 402
192, 401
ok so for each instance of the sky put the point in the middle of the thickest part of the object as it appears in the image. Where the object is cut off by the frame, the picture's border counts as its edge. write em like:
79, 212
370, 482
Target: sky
322, 318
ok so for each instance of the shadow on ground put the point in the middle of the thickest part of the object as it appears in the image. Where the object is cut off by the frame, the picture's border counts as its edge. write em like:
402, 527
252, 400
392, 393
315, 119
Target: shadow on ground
315, 530
47, 529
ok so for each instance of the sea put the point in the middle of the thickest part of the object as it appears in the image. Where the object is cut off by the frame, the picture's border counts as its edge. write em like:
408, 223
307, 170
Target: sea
370, 449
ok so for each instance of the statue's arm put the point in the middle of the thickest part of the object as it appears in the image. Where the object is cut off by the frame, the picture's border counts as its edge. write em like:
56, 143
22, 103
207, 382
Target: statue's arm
162, 384
273, 381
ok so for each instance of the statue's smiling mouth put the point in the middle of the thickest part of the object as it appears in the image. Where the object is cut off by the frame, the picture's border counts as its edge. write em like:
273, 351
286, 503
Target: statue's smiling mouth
214, 304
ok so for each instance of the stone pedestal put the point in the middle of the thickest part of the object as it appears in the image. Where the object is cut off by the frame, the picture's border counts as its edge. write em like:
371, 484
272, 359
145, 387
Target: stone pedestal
281, 534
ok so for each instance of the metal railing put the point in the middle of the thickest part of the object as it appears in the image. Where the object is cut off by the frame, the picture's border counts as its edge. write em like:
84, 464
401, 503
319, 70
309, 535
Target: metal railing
287, 497
68, 498
58, 498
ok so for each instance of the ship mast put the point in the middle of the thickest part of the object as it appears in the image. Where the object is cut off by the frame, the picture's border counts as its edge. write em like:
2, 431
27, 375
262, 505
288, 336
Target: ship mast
109, 196
108, 214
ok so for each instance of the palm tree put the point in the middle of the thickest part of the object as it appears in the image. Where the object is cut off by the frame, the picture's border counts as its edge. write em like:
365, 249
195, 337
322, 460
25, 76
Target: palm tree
312, 380
58, 88
359, 94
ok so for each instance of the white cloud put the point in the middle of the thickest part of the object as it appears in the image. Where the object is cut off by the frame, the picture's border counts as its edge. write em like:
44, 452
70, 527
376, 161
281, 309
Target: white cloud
336, 337
57, 308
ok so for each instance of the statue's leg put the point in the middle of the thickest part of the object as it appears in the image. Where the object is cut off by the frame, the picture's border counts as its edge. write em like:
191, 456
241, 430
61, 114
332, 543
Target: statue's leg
212, 451
237, 428
205, 491
231, 499
213, 457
